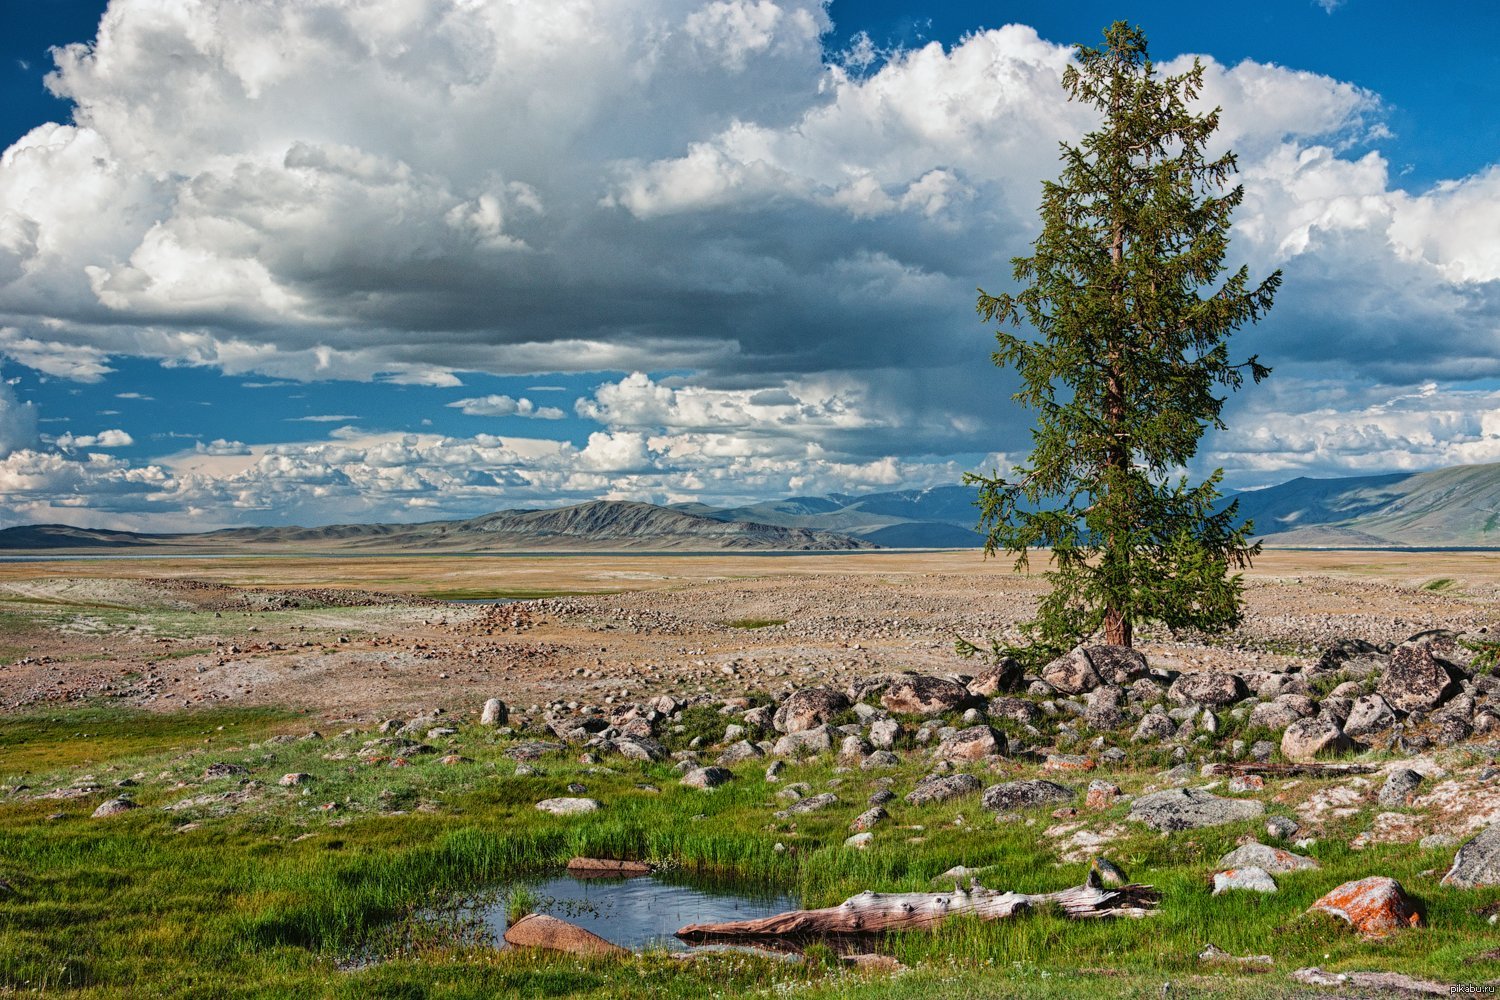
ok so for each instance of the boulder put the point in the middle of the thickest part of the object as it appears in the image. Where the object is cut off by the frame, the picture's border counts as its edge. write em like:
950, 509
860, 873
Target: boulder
532, 751
868, 819
1249, 878
1416, 679
1372, 906
538, 930
1016, 709
568, 806
1117, 665
853, 748
812, 803
1187, 808
859, 841
807, 709
880, 760
1154, 727
804, 741
1071, 673
1368, 715
738, 753
1400, 785
494, 713
1004, 676
1207, 687
884, 733
915, 694
1477, 861
1011, 796
706, 778
641, 748
223, 770
1102, 709
1306, 739
1271, 859
974, 743
295, 778
1273, 715
114, 807
941, 788
1101, 794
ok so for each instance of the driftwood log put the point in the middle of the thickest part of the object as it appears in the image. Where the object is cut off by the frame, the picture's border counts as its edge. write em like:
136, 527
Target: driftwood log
876, 913
1288, 770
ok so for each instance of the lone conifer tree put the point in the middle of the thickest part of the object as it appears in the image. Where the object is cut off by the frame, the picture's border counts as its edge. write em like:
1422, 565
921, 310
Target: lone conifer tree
1129, 362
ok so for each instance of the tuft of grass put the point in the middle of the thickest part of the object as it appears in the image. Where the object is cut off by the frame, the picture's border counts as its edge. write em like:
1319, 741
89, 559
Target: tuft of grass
755, 623
1439, 585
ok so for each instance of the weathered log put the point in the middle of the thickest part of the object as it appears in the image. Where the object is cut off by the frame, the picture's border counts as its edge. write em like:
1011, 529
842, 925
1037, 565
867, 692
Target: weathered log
606, 868
1289, 770
877, 913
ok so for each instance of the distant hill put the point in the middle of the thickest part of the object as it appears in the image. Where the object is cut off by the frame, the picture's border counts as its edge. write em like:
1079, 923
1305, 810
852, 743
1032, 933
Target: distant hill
940, 517
1457, 507
600, 525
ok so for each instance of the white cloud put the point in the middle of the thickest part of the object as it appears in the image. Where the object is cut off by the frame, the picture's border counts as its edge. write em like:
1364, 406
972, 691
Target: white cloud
506, 406
113, 438
17, 421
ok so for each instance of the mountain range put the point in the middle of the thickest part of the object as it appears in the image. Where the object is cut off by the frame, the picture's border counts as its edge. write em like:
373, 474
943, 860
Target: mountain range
1448, 508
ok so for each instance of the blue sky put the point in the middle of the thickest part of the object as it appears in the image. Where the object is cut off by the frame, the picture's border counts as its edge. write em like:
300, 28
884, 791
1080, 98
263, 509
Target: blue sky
318, 261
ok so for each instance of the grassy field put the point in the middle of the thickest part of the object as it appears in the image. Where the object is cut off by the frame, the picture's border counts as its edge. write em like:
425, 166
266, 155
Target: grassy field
276, 896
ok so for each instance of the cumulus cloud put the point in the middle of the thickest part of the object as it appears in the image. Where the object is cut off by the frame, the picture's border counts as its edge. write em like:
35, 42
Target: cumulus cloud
113, 438
405, 191
506, 406
17, 421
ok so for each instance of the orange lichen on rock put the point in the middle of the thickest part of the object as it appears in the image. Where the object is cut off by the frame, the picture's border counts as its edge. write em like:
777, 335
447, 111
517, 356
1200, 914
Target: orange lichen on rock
1372, 906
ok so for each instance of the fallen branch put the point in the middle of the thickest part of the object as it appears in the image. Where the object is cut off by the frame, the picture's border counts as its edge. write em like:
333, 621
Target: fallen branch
1287, 770
875, 913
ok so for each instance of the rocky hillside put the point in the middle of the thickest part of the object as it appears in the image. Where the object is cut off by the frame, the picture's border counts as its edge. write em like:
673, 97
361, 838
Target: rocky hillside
602, 524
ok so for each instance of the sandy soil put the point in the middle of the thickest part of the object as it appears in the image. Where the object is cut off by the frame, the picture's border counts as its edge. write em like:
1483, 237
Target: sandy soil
355, 638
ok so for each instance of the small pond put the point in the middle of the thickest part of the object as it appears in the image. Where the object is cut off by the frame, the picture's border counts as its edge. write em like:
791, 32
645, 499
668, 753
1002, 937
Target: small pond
637, 913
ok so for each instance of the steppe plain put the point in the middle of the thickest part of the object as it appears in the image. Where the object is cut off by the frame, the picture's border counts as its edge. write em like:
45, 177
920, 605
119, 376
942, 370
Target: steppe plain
143, 673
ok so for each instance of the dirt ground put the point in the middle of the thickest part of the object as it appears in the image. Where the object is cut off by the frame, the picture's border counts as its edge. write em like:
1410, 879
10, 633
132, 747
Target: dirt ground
365, 638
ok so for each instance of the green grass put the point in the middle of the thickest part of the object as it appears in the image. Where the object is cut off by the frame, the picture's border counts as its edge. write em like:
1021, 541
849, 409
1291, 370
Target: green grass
1439, 585
755, 623
517, 594
268, 900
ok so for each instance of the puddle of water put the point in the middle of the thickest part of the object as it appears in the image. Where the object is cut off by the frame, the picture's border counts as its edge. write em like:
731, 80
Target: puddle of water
637, 913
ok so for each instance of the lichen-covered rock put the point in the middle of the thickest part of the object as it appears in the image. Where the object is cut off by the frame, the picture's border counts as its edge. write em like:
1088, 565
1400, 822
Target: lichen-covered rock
1117, 665
1271, 859
641, 748
1368, 715
1154, 727
1071, 673
807, 709
853, 748
738, 753
974, 743
1415, 678
1207, 687
1477, 861
1187, 808
1249, 878
1373, 906
1400, 785
1016, 709
941, 788
804, 741
568, 806
1001, 677
1010, 796
867, 819
494, 713
915, 694
114, 807
705, 778
884, 733
812, 803
1102, 709
1307, 739
880, 760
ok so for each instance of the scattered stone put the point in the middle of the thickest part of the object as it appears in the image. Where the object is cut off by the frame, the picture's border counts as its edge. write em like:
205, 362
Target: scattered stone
1270, 859
807, 709
1399, 788
1063, 762
806, 742
1368, 715
1071, 673
974, 743
223, 770
641, 748
494, 713
810, 804
1011, 796
1250, 878
880, 796
706, 778
853, 748
880, 760
941, 788
1187, 808
868, 819
538, 930
1101, 794
1214, 955
1207, 687
532, 751
1477, 862
774, 770
1154, 726
859, 841
1373, 906
295, 778
1002, 677
1415, 678
1247, 783
915, 694
568, 806
114, 807
884, 733
1306, 739
1117, 665
738, 753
